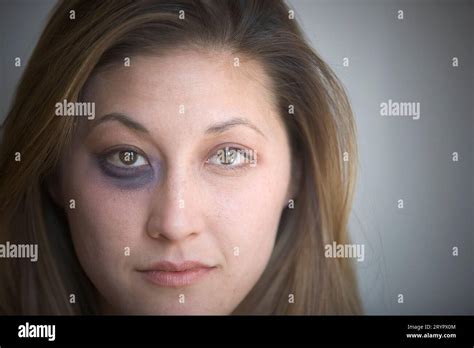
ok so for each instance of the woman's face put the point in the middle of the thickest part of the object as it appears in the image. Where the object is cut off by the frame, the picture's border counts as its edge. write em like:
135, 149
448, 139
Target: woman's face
186, 160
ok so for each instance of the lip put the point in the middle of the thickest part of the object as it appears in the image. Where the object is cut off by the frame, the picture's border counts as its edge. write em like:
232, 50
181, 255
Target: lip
173, 275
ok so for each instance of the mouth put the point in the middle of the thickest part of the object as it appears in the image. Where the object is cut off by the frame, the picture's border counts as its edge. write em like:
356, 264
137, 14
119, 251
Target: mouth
173, 275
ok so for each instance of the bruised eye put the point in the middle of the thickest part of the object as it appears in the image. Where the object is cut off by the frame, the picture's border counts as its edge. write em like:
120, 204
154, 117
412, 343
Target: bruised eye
129, 166
231, 157
126, 159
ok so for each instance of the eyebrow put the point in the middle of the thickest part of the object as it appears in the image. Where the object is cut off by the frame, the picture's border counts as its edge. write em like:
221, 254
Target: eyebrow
233, 122
214, 129
125, 120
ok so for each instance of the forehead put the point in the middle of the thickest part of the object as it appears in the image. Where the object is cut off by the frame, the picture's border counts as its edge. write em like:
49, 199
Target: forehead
186, 90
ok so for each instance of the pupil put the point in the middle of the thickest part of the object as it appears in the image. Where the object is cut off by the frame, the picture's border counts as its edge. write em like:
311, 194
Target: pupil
127, 157
229, 156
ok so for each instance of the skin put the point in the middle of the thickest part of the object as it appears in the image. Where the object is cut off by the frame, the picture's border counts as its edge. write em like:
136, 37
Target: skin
187, 205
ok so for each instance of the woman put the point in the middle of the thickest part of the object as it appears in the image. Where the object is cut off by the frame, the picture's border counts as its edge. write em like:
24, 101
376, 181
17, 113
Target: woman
216, 160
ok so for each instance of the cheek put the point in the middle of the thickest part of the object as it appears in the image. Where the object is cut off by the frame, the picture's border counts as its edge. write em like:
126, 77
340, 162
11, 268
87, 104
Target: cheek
249, 213
105, 216
104, 223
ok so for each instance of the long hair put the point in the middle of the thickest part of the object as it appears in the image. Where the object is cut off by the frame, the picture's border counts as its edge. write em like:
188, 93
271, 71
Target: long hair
83, 37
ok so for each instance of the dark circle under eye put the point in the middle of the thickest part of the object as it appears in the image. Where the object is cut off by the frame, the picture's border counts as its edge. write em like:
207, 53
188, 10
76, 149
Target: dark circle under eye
128, 157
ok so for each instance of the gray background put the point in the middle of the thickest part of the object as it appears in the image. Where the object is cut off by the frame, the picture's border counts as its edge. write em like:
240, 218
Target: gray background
407, 251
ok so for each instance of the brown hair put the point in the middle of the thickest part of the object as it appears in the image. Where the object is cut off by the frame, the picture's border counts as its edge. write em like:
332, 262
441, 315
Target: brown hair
321, 130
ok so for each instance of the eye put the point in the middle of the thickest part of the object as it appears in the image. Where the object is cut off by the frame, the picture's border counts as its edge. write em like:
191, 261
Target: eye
126, 159
231, 157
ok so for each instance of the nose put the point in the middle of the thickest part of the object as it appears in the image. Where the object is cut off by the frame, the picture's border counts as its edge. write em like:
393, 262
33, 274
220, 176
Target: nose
175, 214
